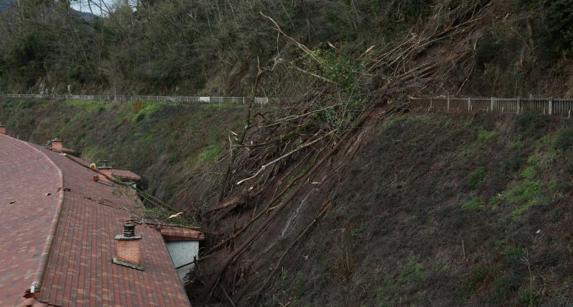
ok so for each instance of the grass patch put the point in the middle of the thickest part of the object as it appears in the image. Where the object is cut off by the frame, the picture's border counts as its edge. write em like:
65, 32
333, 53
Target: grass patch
411, 272
564, 140
478, 278
532, 124
529, 297
514, 254
524, 194
529, 172
143, 110
87, 105
209, 154
477, 177
474, 203
486, 136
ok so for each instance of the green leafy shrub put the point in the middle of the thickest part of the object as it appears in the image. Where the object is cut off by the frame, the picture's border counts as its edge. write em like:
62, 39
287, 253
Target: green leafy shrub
524, 194
477, 177
209, 154
532, 124
412, 272
474, 203
564, 140
485, 135
478, 276
529, 172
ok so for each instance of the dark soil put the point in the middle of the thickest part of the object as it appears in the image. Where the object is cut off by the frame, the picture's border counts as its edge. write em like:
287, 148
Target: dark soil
434, 210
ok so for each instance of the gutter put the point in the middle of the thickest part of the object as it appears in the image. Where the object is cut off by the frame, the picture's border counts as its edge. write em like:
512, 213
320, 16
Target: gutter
37, 283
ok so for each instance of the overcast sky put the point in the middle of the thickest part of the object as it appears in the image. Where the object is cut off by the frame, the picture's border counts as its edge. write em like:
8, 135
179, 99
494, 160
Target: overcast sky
83, 5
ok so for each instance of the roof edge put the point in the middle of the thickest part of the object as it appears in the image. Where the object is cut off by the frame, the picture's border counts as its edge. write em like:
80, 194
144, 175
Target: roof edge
36, 285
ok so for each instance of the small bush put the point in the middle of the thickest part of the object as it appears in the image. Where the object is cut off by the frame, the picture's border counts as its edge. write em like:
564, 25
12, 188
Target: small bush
506, 285
529, 172
514, 255
513, 164
474, 203
411, 272
484, 135
209, 154
529, 297
478, 276
564, 140
144, 110
532, 124
477, 177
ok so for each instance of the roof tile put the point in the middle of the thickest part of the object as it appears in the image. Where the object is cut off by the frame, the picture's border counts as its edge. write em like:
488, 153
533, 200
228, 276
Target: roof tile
78, 270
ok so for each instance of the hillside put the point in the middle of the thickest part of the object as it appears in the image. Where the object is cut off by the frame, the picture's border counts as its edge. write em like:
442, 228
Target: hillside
342, 194
433, 210
167, 145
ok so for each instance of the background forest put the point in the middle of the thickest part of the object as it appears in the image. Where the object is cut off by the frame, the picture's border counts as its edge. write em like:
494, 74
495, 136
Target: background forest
217, 46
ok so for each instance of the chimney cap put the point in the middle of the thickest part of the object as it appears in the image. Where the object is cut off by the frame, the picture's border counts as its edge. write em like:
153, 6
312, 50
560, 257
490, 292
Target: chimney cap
128, 232
129, 229
104, 164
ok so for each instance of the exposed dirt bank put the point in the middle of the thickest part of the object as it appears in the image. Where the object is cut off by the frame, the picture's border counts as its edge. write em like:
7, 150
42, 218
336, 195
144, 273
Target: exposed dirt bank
431, 210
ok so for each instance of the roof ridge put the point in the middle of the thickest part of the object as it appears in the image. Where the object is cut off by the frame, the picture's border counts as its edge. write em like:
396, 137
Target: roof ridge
36, 284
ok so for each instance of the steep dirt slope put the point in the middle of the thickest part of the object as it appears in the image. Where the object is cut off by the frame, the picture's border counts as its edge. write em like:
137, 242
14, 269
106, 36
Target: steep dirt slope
431, 210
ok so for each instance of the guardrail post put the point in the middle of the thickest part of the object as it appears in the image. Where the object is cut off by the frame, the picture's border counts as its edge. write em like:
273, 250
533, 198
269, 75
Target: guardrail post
518, 105
448, 104
469, 104
550, 106
491, 104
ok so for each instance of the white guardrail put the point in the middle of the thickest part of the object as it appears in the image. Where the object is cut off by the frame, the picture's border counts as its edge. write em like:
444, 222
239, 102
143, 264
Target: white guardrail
130, 98
548, 106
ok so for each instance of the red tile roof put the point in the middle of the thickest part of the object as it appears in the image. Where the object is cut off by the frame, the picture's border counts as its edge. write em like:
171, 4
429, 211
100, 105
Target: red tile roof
79, 268
30, 199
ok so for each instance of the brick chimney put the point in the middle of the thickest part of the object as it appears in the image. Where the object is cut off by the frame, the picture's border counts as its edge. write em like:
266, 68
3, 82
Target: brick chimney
2, 129
57, 145
128, 248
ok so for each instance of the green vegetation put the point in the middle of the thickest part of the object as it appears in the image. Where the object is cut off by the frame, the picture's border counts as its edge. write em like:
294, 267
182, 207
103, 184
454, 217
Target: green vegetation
88, 106
411, 272
474, 203
477, 177
166, 144
421, 210
155, 48
185, 46
564, 140
142, 110
524, 194
478, 277
486, 136
209, 154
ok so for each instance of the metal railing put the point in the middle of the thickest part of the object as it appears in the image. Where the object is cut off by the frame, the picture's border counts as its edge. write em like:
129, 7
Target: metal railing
131, 98
547, 106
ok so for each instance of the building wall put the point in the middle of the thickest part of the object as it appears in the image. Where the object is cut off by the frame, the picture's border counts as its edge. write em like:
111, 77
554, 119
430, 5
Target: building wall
183, 253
